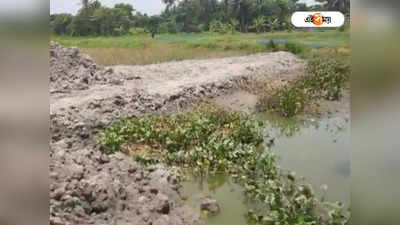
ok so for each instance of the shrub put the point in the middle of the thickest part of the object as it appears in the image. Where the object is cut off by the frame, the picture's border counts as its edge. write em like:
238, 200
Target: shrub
201, 27
169, 27
272, 45
288, 101
217, 26
294, 47
137, 31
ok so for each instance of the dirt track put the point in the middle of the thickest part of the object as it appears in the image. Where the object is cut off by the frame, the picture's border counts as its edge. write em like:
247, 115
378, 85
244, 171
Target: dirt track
171, 79
88, 187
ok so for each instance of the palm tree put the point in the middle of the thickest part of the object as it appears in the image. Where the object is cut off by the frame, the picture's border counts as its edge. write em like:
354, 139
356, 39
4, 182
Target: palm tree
169, 3
273, 24
259, 24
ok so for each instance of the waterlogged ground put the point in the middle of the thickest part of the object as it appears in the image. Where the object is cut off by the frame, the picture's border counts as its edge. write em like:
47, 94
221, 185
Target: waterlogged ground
316, 149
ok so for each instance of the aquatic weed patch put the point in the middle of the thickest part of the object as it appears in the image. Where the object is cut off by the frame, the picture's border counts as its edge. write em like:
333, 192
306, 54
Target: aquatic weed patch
216, 141
325, 78
207, 141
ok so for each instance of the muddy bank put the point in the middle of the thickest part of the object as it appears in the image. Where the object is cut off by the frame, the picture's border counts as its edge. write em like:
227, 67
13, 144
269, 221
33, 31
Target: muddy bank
89, 187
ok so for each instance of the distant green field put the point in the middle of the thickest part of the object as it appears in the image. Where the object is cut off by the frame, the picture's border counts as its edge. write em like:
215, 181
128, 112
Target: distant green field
142, 49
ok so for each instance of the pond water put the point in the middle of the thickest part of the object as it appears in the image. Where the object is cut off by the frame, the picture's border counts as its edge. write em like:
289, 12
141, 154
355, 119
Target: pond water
315, 149
309, 43
225, 191
177, 38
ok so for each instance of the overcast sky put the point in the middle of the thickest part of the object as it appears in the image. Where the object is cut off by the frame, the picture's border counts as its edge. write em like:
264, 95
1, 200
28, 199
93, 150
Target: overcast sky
150, 7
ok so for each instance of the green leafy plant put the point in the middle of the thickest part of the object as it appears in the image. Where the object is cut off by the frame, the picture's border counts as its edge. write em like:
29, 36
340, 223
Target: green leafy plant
259, 24
326, 77
273, 46
288, 101
234, 24
294, 48
217, 26
272, 24
218, 141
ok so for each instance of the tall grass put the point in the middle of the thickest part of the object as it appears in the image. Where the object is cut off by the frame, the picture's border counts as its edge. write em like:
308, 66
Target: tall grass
155, 53
142, 49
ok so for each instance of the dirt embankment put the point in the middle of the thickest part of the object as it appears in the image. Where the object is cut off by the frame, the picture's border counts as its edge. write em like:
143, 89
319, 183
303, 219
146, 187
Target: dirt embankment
88, 187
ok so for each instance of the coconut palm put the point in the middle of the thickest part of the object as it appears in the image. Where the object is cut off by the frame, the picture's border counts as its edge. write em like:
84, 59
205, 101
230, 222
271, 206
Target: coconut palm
273, 24
259, 24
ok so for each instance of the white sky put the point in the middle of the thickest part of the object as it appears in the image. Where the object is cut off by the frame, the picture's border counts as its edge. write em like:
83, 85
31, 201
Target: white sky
150, 7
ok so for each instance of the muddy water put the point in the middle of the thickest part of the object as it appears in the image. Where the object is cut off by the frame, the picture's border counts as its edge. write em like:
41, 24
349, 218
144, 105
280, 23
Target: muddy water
227, 193
314, 149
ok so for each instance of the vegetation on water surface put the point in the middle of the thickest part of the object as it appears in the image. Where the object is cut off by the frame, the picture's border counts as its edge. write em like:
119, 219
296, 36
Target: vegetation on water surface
216, 141
325, 77
209, 141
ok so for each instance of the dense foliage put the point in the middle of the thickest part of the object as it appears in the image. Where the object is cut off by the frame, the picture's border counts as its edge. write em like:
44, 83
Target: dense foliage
187, 16
217, 141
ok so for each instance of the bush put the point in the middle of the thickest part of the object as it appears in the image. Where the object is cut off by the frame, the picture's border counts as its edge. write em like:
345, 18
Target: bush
201, 27
294, 47
288, 101
170, 27
137, 31
217, 26
272, 45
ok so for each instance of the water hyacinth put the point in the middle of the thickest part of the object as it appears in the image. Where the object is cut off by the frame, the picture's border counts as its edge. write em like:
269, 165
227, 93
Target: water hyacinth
216, 141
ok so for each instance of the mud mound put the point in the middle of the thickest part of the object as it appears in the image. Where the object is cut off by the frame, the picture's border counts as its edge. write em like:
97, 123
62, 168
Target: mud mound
89, 187
71, 70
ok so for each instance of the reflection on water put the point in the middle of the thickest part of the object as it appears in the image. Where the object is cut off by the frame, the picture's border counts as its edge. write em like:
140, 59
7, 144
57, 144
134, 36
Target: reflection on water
314, 149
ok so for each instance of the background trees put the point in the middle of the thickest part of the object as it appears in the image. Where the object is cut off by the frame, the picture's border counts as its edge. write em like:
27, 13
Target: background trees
187, 16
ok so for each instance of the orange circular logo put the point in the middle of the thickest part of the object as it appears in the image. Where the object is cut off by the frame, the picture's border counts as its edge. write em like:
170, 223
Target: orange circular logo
318, 19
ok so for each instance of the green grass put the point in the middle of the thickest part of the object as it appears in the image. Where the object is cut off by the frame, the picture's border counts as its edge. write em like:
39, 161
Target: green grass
142, 49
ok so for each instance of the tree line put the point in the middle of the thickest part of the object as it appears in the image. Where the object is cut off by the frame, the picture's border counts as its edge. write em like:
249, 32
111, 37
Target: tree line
221, 16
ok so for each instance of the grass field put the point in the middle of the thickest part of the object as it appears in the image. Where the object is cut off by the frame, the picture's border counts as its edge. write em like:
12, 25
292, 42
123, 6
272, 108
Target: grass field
142, 49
